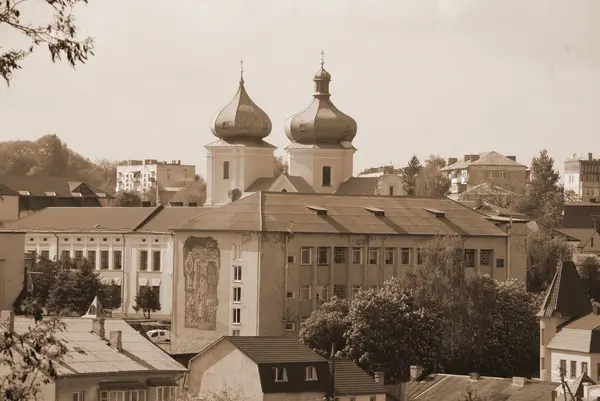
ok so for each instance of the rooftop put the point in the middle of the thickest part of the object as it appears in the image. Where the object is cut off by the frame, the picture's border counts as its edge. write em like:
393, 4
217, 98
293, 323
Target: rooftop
270, 349
580, 335
484, 159
566, 296
43, 186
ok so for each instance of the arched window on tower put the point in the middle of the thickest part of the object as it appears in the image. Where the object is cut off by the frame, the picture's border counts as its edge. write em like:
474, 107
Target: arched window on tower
326, 179
225, 170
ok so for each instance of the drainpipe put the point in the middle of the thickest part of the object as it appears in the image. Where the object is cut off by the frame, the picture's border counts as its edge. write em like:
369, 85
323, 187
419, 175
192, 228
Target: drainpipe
123, 264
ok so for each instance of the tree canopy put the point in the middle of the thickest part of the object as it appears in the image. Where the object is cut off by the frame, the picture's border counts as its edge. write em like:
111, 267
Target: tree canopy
431, 181
543, 255
147, 300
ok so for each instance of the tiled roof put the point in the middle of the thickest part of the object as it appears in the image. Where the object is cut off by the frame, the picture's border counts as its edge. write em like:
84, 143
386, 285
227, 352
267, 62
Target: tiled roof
566, 296
351, 379
358, 186
169, 216
268, 183
485, 159
267, 349
39, 185
89, 354
405, 215
84, 219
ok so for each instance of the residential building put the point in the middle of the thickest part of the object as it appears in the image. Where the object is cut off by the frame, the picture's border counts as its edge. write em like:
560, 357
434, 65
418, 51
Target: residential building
489, 167
12, 267
23, 195
106, 360
385, 182
581, 214
585, 242
163, 179
262, 264
582, 176
131, 246
490, 193
276, 368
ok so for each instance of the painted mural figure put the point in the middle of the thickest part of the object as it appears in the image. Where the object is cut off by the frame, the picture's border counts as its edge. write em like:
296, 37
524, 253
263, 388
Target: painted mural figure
201, 271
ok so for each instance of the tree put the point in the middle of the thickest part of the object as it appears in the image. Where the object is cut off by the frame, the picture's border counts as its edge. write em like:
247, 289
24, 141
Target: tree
53, 157
589, 271
128, 199
59, 34
431, 181
390, 331
281, 166
147, 300
110, 296
411, 174
59, 300
543, 255
326, 326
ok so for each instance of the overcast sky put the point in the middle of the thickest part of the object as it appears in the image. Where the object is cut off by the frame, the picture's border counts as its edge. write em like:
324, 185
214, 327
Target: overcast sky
446, 77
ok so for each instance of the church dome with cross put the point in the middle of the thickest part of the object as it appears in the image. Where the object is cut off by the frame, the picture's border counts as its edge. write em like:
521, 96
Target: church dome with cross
321, 122
241, 119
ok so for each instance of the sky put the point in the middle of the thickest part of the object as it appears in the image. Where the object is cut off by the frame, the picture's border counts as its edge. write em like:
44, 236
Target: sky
443, 77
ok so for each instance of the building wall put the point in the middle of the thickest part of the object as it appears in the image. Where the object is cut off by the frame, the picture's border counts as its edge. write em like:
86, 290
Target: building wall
308, 163
391, 180
516, 176
130, 277
166, 174
9, 207
224, 368
582, 176
557, 355
12, 268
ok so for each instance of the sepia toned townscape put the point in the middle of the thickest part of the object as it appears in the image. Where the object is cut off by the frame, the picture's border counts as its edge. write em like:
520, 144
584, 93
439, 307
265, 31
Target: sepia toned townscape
280, 262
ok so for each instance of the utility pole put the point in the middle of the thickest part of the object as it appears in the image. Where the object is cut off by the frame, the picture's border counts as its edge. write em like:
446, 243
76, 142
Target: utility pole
332, 378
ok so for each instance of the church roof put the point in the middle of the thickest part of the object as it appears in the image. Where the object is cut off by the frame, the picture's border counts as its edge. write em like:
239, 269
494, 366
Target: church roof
358, 186
282, 181
566, 297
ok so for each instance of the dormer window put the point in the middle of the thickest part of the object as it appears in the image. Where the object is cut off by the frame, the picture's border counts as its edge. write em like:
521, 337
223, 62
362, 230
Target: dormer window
280, 375
311, 373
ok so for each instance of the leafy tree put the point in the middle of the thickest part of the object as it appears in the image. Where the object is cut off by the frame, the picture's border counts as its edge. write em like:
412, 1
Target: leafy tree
543, 255
128, 199
390, 331
411, 174
281, 166
59, 300
110, 296
431, 181
326, 326
589, 271
59, 34
571, 196
147, 300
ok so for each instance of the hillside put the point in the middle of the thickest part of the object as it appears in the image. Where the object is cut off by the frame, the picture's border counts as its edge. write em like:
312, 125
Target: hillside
52, 157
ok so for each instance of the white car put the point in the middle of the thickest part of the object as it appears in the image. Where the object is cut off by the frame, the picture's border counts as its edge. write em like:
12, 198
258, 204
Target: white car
159, 336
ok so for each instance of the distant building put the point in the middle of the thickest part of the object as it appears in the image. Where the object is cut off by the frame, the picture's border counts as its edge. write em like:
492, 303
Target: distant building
23, 195
581, 214
161, 179
276, 368
488, 167
582, 176
12, 267
384, 182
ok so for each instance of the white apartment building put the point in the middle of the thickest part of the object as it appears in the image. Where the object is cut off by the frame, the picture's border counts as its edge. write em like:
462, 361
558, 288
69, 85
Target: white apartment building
582, 176
132, 246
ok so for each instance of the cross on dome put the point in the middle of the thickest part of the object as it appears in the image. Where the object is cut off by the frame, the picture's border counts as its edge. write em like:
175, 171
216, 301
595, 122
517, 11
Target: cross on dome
322, 58
242, 72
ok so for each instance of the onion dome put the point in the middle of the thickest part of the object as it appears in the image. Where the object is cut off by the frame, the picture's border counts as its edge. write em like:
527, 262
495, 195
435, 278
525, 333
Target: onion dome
241, 119
321, 122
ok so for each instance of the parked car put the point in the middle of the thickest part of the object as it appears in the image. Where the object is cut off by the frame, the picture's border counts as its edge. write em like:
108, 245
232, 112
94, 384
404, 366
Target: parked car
159, 336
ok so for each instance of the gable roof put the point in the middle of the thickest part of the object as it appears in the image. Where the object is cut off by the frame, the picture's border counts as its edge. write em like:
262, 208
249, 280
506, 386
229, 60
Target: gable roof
268, 183
580, 335
405, 215
358, 186
89, 354
492, 158
351, 379
39, 185
271, 349
566, 297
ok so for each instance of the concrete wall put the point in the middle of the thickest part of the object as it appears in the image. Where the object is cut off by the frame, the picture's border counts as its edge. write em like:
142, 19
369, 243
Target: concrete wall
12, 268
9, 207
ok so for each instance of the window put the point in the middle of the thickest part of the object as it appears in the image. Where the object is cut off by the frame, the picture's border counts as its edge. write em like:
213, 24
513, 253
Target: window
499, 262
503, 175
355, 290
78, 396
225, 170
584, 368
493, 174
573, 369
373, 256
280, 374
339, 290
419, 256
290, 326
357, 256
290, 295
165, 393
65, 254
237, 273
143, 260
237, 316
563, 367
235, 332
311, 373
470, 257
156, 261
91, 257
305, 292
305, 255
339, 255
405, 256
390, 254
326, 176
123, 395
46, 254
486, 257
104, 260
391, 190
237, 294
323, 293
322, 256
79, 255
117, 260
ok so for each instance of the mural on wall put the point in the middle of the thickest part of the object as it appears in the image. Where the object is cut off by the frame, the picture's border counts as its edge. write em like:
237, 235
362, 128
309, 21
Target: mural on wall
201, 277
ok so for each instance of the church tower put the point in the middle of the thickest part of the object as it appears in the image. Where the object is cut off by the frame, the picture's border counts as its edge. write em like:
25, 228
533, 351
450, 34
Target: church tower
240, 155
321, 150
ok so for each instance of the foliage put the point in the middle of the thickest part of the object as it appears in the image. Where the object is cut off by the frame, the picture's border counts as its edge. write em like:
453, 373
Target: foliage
225, 394
31, 359
128, 199
110, 296
59, 34
543, 255
431, 181
326, 326
589, 271
390, 331
571, 196
192, 193
281, 166
506, 196
411, 174
147, 300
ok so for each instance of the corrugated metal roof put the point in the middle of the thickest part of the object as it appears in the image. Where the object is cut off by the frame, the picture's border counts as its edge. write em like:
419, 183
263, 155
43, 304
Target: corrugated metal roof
358, 186
566, 297
87, 353
168, 216
406, 215
492, 158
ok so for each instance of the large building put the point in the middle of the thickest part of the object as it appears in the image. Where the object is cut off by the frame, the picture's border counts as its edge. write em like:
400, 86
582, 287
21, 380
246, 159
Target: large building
262, 264
582, 176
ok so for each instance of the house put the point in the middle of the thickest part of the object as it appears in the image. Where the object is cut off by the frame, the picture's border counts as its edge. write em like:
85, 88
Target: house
106, 360
383, 182
582, 176
277, 368
23, 195
131, 246
12, 267
262, 264
581, 214
488, 167
489, 193
585, 242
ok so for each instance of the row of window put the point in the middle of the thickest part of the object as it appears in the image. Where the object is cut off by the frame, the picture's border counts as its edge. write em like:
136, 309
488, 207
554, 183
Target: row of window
104, 262
325, 175
499, 174
340, 255
280, 374
322, 293
572, 373
162, 394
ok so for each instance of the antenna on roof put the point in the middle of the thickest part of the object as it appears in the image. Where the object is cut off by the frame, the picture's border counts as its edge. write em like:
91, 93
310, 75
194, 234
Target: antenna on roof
95, 310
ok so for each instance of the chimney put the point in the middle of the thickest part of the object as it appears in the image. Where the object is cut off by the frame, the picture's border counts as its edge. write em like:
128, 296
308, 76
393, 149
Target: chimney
452, 160
380, 377
115, 339
590, 156
474, 157
518, 381
513, 158
98, 326
416, 371
596, 309
467, 158
7, 319
474, 376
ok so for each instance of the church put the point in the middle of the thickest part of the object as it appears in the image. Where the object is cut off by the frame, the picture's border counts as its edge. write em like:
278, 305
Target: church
320, 154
